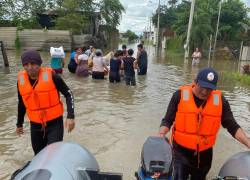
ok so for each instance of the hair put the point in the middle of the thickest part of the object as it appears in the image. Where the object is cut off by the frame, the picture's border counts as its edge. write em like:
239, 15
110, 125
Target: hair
124, 46
140, 46
118, 53
84, 48
78, 48
98, 53
130, 52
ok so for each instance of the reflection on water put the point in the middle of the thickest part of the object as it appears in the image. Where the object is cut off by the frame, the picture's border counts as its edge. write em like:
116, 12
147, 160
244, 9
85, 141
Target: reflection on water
112, 120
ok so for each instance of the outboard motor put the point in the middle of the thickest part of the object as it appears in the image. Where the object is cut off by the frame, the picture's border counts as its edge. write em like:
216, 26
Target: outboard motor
63, 160
237, 167
156, 160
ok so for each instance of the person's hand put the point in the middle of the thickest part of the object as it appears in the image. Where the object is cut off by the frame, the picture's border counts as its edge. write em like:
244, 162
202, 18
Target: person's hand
69, 124
19, 131
160, 134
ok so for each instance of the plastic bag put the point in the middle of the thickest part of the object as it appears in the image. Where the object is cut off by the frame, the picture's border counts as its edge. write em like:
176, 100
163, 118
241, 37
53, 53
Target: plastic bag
57, 52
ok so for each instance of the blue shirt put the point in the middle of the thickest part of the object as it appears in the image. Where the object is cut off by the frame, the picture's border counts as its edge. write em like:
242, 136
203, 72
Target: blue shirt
115, 65
56, 63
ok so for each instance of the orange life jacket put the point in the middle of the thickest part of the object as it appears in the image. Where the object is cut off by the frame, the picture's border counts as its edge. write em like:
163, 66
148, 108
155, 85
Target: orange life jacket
42, 102
196, 128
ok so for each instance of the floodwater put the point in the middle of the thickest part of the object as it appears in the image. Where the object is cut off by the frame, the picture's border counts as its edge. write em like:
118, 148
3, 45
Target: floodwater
113, 120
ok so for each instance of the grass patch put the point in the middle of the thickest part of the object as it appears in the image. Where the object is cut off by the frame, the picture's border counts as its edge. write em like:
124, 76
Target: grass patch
242, 78
237, 78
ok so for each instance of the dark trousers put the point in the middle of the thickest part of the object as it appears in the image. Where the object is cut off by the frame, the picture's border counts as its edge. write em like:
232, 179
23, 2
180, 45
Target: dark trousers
130, 80
142, 71
185, 163
72, 68
97, 75
114, 77
41, 137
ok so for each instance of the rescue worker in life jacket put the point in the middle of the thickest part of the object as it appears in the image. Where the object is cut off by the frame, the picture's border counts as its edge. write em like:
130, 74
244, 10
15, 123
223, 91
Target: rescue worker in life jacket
196, 112
39, 98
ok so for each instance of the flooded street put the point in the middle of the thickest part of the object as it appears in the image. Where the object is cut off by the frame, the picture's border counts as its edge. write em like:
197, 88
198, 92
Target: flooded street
113, 120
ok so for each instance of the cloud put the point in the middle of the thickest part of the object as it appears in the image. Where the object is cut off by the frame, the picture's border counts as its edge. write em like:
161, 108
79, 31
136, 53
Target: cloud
137, 14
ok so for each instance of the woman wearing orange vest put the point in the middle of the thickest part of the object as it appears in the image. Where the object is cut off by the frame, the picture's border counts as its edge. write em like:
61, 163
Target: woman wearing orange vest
39, 98
196, 112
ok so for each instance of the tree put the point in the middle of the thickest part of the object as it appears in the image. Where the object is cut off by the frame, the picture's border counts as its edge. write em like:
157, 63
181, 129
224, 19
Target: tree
233, 12
70, 16
71, 13
111, 11
167, 15
130, 35
205, 20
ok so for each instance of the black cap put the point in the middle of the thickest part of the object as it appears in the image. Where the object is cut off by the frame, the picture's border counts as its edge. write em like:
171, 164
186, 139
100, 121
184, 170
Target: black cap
207, 78
31, 56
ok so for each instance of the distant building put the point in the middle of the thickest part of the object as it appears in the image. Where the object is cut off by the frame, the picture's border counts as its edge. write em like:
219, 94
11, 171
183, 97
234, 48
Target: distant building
47, 19
122, 37
148, 35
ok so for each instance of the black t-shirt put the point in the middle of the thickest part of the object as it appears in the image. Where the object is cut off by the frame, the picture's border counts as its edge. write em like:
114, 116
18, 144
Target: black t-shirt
115, 65
129, 66
60, 86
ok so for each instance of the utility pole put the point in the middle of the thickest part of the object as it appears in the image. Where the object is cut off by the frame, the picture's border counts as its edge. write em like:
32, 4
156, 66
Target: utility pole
158, 26
150, 30
210, 48
186, 46
217, 28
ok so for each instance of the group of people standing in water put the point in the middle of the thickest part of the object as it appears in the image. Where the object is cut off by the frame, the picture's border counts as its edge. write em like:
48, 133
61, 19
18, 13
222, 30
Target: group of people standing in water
116, 64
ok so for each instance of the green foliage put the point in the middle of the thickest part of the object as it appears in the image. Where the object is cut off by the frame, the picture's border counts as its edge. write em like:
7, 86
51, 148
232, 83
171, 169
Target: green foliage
130, 35
72, 13
167, 17
111, 11
236, 78
205, 19
175, 44
242, 78
17, 41
74, 20
233, 12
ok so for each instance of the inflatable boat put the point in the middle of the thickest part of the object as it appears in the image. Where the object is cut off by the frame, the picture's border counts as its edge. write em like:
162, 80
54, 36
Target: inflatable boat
63, 160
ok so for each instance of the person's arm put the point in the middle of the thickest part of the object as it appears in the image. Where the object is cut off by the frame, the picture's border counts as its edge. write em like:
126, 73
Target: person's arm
169, 118
76, 58
21, 110
104, 65
242, 138
231, 125
64, 89
135, 64
63, 62
193, 55
122, 64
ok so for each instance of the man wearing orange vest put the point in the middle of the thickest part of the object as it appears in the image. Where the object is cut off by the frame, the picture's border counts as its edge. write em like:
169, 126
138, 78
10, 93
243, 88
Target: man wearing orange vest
196, 112
39, 98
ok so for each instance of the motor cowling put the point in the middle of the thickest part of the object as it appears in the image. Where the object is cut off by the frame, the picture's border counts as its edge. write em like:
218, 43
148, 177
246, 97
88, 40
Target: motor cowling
236, 167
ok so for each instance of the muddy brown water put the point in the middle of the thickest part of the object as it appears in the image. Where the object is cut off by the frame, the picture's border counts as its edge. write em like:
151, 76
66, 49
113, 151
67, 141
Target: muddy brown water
113, 120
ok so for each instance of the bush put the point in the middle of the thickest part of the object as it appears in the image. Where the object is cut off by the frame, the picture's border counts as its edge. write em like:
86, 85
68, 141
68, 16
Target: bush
17, 41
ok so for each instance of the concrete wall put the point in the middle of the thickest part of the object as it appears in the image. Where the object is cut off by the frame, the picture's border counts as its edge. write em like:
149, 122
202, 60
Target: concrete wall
35, 38
8, 36
245, 53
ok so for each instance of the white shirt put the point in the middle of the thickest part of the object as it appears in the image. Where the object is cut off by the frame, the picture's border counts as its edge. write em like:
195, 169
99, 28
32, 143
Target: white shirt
98, 64
83, 57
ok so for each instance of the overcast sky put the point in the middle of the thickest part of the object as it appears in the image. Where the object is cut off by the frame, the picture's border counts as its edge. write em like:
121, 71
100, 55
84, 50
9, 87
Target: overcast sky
138, 13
